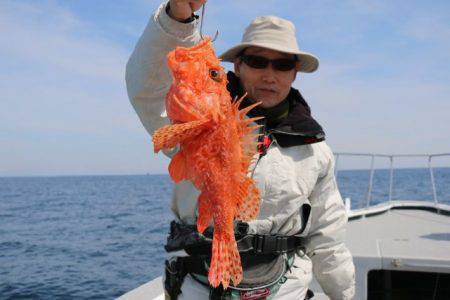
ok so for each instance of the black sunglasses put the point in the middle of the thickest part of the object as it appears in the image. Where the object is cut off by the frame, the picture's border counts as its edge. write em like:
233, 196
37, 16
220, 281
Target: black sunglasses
259, 62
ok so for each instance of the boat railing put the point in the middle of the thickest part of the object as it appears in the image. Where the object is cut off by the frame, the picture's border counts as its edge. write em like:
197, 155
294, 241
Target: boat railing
391, 157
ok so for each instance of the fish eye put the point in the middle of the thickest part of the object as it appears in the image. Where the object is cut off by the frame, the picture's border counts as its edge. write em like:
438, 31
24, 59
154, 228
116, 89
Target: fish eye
215, 75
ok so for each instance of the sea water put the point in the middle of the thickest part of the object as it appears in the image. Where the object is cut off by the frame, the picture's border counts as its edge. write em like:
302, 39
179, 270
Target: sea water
97, 237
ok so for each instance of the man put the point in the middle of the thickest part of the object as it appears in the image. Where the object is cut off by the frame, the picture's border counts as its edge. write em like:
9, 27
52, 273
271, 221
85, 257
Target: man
295, 167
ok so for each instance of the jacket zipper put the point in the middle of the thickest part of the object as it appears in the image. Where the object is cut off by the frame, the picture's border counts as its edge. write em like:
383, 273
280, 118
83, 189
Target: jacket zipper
263, 133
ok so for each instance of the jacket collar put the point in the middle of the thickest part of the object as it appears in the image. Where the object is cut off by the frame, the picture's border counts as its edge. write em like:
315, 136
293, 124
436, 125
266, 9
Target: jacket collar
297, 128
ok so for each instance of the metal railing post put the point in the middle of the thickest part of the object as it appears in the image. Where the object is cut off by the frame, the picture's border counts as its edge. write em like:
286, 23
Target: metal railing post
433, 186
391, 178
392, 169
369, 192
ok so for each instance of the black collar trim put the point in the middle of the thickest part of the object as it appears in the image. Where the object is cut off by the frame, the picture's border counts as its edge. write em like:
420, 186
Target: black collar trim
297, 128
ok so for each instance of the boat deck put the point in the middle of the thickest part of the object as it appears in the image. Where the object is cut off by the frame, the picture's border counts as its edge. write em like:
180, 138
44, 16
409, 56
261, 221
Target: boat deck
401, 236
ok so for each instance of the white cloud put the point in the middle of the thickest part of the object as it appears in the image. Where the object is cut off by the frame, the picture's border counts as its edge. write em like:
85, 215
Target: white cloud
424, 28
52, 37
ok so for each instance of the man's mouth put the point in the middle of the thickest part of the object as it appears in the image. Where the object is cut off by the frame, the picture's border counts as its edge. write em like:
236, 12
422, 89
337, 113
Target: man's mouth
267, 90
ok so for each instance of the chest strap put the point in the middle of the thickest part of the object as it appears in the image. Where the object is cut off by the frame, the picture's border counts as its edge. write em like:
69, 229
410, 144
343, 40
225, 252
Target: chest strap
269, 244
186, 237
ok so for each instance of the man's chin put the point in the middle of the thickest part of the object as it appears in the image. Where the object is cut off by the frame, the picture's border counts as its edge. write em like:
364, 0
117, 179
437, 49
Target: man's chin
268, 102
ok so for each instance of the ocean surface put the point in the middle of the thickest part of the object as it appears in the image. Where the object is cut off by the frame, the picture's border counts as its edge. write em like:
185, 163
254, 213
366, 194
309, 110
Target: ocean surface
97, 237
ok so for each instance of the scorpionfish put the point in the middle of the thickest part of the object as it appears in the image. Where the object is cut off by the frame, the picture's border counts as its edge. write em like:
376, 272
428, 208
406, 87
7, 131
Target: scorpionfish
216, 146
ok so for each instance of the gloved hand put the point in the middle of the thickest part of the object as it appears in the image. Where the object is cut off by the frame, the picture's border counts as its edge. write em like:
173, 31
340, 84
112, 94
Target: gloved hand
182, 10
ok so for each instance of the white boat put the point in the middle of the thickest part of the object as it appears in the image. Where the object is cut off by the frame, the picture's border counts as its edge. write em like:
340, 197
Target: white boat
401, 248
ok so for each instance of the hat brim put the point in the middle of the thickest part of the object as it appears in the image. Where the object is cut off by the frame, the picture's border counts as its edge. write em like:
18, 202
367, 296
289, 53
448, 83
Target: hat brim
307, 62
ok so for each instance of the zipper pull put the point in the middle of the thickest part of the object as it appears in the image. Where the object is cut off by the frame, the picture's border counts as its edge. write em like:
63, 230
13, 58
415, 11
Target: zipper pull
264, 140
264, 143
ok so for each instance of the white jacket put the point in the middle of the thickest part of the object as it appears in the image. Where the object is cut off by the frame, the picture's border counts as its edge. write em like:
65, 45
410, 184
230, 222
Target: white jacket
286, 177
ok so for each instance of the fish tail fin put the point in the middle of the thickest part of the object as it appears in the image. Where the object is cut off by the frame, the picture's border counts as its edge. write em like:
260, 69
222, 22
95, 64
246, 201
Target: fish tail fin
170, 135
205, 213
225, 262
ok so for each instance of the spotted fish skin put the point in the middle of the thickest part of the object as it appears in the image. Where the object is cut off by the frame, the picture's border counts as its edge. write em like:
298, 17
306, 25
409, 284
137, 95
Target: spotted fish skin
216, 147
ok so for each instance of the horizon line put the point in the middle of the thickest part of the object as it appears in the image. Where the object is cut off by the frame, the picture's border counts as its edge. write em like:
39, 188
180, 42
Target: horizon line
167, 174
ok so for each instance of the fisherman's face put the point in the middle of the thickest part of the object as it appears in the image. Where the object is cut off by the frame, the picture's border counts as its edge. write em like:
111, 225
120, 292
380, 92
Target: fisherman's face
268, 85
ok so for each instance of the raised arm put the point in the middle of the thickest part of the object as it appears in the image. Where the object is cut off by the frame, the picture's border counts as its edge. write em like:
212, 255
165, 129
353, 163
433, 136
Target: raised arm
332, 262
147, 76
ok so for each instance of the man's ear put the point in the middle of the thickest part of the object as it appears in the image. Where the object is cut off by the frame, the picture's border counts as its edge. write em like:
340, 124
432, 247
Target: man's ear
237, 66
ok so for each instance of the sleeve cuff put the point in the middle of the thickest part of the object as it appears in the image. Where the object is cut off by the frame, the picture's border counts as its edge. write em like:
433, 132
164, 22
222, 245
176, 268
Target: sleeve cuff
172, 27
188, 20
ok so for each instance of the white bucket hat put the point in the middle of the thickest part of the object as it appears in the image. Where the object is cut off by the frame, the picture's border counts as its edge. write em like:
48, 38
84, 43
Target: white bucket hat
276, 34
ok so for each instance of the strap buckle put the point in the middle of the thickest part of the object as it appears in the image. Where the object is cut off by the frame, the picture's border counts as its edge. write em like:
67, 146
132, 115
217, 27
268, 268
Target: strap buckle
270, 244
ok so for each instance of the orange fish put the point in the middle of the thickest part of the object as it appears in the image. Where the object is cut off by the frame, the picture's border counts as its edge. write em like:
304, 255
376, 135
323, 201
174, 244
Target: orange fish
216, 147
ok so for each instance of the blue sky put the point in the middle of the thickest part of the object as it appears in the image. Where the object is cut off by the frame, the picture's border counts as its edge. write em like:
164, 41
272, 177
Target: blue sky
383, 84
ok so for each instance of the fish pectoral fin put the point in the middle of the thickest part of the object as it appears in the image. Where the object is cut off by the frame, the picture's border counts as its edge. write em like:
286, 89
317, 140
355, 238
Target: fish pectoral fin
205, 213
170, 135
177, 167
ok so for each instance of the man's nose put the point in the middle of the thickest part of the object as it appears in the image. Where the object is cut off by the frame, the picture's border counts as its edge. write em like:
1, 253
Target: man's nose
269, 74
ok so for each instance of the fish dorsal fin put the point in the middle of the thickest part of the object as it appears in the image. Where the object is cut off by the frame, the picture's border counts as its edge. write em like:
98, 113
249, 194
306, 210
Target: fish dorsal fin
247, 195
248, 208
247, 137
